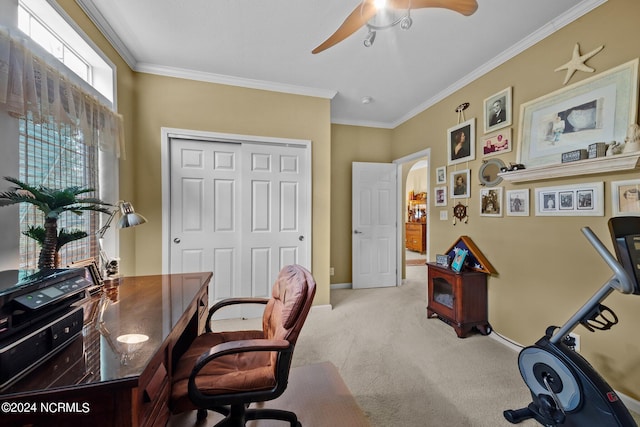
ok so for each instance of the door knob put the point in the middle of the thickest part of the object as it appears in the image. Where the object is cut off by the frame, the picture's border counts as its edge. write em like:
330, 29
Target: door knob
301, 238
176, 240
357, 232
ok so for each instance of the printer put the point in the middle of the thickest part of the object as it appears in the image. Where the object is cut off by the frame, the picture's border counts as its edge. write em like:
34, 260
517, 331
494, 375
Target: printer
38, 317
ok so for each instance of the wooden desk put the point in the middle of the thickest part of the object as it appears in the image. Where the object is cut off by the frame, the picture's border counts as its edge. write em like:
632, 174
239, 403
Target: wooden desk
99, 380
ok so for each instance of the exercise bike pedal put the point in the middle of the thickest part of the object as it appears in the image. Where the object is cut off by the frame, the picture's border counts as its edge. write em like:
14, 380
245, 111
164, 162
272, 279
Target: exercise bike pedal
515, 416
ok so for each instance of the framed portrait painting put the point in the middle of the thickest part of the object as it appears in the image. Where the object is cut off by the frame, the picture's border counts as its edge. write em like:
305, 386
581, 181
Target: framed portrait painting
625, 197
497, 110
461, 142
460, 186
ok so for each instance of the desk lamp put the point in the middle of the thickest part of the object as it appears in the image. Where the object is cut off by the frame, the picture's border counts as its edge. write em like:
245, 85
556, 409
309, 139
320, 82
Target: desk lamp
128, 218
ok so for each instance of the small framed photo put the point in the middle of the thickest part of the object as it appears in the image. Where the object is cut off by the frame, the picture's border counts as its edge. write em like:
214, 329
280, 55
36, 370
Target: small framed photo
626, 197
459, 259
460, 186
497, 110
497, 143
441, 196
491, 202
461, 142
571, 200
567, 200
518, 202
441, 175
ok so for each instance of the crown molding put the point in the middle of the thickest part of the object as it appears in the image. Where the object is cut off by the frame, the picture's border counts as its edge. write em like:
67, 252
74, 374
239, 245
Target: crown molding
571, 15
559, 22
234, 81
100, 21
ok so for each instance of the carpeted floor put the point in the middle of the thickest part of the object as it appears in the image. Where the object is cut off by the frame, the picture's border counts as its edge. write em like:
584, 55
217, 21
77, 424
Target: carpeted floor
402, 368
316, 393
415, 262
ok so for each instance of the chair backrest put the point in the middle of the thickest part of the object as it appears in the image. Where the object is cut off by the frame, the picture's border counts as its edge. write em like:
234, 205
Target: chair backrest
290, 303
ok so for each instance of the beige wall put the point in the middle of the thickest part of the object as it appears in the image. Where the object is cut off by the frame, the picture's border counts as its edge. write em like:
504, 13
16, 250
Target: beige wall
350, 144
150, 102
547, 269
187, 104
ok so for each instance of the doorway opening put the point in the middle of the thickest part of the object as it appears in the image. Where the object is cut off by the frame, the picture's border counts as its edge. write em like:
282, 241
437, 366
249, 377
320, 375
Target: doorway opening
413, 205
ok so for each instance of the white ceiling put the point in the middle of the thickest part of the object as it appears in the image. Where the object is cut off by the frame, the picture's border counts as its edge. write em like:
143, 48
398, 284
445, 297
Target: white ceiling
267, 44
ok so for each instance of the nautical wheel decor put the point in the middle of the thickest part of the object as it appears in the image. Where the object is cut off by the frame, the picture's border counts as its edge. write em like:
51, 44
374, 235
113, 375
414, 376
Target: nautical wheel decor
460, 213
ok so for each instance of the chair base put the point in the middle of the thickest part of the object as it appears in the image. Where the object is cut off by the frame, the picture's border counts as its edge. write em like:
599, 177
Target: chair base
237, 415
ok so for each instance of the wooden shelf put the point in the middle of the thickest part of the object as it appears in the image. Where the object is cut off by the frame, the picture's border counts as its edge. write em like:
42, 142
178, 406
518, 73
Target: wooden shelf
617, 163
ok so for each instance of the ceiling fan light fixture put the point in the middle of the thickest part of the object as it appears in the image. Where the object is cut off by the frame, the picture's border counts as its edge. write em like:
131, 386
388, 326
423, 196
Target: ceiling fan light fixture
368, 41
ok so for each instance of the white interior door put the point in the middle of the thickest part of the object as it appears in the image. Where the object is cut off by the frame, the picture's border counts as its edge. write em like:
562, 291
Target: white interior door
240, 210
374, 223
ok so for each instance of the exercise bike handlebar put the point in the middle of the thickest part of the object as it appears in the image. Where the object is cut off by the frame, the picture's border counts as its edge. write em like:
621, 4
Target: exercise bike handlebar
621, 281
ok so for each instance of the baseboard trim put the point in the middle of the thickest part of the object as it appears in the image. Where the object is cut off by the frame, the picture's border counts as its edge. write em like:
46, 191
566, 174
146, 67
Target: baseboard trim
631, 403
340, 286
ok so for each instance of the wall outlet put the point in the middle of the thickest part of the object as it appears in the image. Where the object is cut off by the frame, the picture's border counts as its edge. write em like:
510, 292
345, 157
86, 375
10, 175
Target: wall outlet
332, 271
576, 339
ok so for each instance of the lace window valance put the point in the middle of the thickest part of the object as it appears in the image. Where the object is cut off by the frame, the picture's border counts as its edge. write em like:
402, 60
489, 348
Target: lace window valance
30, 84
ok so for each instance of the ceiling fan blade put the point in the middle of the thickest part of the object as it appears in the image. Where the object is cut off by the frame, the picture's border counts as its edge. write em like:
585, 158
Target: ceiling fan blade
358, 18
465, 7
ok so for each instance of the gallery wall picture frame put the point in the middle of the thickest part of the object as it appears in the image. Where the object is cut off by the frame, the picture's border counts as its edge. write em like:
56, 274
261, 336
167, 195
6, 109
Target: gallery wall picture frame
517, 203
596, 109
497, 110
497, 143
440, 198
570, 200
441, 175
491, 202
625, 197
460, 184
461, 142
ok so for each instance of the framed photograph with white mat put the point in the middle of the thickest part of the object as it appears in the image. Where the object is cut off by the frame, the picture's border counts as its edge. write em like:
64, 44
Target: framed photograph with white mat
461, 142
599, 108
625, 197
571, 200
497, 110
441, 196
518, 202
491, 202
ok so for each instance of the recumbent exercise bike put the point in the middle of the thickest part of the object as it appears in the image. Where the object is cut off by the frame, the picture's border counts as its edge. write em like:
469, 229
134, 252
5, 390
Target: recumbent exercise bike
565, 388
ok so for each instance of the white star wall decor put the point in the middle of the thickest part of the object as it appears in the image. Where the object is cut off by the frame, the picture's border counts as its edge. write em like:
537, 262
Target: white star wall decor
577, 62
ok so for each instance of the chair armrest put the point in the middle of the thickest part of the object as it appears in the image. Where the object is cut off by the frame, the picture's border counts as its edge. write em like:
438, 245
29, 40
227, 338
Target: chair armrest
231, 301
283, 347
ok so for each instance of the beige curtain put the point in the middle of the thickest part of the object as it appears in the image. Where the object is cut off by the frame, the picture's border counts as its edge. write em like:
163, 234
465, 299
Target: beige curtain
30, 84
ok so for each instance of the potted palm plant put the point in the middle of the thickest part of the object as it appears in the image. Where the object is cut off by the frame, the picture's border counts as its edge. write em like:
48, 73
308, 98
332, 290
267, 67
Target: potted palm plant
52, 203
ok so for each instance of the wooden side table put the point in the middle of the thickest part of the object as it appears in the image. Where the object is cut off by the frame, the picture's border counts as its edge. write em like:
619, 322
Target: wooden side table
459, 299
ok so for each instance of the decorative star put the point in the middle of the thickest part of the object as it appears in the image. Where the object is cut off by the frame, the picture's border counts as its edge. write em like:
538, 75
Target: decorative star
577, 62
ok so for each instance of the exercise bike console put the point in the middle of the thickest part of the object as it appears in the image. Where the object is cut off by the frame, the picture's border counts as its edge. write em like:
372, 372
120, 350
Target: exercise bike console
565, 389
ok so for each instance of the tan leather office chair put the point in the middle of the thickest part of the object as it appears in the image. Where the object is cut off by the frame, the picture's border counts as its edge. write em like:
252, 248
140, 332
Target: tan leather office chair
226, 371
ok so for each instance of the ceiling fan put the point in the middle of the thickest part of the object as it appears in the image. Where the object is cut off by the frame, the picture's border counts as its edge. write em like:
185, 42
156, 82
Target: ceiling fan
367, 10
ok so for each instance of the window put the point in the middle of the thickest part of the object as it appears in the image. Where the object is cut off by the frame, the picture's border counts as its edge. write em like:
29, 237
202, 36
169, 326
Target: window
54, 154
